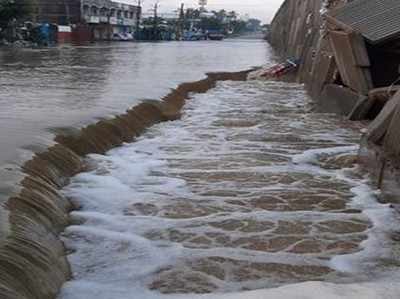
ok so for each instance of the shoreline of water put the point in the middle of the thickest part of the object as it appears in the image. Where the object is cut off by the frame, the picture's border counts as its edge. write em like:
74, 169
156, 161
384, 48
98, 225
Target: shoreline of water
36, 211
115, 173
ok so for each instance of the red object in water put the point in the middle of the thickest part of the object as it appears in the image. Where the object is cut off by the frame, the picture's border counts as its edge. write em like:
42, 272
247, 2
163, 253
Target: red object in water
82, 33
64, 34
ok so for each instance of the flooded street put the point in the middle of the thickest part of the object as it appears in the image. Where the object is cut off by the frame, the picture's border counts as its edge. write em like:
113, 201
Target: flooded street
42, 90
248, 191
199, 149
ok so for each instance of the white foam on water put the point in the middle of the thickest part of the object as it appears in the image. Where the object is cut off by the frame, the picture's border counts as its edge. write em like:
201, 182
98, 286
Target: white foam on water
311, 156
384, 220
112, 255
307, 290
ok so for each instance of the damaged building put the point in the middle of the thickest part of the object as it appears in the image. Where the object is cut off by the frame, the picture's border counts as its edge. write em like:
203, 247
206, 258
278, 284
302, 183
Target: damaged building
364, 36
350, 64
85, 19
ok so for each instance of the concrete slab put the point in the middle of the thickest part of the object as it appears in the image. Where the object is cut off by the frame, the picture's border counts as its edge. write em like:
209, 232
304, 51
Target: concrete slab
324, 69
352, 60
378, 128
392, 139
361, 109
337, 99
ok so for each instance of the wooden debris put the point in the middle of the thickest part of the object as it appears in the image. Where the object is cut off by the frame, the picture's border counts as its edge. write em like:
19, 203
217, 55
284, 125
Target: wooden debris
383, 94
392, 138
352, 59
361, 108
378, 128
337, 99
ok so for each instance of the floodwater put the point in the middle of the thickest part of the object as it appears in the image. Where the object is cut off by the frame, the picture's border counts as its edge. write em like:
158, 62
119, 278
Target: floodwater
249, 195
45, 89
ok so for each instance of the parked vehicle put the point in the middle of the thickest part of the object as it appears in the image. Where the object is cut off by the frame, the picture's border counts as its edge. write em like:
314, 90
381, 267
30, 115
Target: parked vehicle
215, 35
123, 37
194, 35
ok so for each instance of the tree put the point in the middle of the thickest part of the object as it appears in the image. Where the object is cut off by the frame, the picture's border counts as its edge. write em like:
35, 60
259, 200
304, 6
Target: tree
12, 9
254, 25
239, 26
211, 24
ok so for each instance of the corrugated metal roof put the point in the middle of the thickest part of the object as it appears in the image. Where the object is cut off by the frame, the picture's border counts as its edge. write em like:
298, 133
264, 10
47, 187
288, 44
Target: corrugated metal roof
376, 20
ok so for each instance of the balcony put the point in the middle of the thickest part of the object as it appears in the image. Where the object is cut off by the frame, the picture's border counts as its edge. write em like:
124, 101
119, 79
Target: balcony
113, 21
104, 19
92, 19
129, 22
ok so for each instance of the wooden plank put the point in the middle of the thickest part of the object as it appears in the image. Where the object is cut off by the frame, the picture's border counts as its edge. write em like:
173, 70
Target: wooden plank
362, 57
392, 138
378, 128
361, 109
323, 74
383, 94
350, 53
338, 25
337, 99
360, 50
338, 42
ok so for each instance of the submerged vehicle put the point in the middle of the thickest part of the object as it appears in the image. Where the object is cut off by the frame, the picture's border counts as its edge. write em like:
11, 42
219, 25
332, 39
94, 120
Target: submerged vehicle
123, 37
191, 35
215, 35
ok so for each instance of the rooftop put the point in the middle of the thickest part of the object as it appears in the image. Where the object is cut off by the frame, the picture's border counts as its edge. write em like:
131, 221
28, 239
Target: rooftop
377, 20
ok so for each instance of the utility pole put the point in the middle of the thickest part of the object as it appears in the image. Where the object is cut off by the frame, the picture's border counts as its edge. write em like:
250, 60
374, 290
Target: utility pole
203, 4
181, 22
138, 17
67, 13
155, 23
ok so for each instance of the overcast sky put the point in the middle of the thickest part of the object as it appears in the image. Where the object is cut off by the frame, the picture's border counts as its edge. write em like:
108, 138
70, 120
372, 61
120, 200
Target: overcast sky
261, 9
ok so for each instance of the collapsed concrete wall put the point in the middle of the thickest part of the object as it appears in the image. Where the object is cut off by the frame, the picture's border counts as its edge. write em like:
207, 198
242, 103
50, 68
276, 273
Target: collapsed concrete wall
349, 43
350, 67
380, 151
33, 262
295, 31
299, 30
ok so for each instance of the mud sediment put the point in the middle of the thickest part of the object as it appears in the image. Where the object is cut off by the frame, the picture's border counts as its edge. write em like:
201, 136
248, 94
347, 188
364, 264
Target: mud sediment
33, 261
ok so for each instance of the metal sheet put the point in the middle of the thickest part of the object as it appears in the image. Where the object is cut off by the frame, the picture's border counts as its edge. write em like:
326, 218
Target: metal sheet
376, 20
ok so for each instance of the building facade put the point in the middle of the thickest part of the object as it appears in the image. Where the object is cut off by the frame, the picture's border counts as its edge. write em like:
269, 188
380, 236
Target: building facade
62, 12
87, 19
107, 18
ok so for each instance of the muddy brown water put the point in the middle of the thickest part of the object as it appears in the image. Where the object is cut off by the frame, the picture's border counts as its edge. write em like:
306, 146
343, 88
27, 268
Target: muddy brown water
54, 91
250, 190
71, 86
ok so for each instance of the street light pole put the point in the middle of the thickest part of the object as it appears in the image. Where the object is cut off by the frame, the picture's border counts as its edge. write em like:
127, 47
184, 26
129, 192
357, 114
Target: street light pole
138, 15
155, 28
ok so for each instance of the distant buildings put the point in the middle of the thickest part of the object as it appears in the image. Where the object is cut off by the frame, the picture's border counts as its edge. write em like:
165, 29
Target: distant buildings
87, 19
107, 18
63, 12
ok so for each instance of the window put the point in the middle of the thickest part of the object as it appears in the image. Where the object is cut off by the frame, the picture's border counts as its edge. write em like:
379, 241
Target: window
103, 12
85, 10
94, 11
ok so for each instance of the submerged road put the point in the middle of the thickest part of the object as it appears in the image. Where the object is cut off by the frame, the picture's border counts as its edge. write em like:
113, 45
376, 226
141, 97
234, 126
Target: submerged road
43, 91
249, 190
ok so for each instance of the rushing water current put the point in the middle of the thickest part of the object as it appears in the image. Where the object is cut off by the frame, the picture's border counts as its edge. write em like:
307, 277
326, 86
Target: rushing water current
248, 191
71, 86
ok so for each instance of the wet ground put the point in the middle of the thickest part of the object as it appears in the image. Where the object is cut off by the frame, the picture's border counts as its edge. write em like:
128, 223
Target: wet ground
250, 190
42, 90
